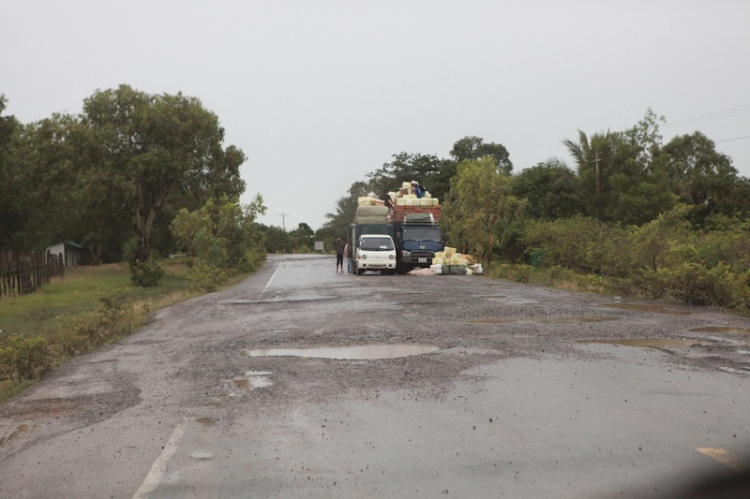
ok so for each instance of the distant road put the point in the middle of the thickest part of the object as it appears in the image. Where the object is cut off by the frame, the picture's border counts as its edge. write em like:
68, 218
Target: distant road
301, 382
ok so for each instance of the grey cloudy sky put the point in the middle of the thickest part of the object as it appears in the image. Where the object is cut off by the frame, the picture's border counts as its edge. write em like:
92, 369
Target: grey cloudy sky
319, 93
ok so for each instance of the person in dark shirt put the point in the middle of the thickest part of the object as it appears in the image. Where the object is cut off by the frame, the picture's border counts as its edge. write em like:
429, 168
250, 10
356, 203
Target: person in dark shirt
418, 189
386, 198
339, 246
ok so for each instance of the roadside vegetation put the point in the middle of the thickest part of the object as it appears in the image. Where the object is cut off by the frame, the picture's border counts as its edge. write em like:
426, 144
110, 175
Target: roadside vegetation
91, 306
132, 178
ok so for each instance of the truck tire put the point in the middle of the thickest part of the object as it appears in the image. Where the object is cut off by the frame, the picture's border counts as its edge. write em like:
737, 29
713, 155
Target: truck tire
360, 271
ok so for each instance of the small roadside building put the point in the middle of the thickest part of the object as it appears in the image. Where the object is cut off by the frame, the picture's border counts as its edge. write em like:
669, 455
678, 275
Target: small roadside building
73, 254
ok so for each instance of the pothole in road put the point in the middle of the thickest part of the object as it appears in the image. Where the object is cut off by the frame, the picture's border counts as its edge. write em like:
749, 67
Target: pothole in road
721, 329
647, 342
358, 352
544, 320
656, 309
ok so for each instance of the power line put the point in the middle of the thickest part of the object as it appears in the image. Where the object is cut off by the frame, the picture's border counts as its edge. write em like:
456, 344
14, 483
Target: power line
717, 115
736, 138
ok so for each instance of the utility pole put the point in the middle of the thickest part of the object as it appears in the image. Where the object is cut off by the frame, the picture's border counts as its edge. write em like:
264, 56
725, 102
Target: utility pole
597, 159
283, 221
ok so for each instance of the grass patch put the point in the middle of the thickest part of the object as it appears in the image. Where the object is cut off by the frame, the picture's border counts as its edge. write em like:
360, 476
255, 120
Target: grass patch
78, 293
75, 314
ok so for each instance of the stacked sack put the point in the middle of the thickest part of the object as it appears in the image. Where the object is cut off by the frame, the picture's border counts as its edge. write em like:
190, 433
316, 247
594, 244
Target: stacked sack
406, 197
371, 215
449, 262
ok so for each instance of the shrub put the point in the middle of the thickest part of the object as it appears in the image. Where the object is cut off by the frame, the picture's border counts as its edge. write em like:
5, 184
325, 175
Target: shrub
253, 260
115, 318
694, 284
25, 357
146, 274
205, 277
71, 344
516, 273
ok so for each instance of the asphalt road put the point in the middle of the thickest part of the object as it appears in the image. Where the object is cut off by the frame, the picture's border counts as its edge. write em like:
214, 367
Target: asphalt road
301, 382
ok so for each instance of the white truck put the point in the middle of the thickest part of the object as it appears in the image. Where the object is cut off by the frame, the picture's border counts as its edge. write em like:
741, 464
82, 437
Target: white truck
375, 252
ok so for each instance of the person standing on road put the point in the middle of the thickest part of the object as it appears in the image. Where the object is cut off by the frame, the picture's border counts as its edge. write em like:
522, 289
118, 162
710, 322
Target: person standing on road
339, 245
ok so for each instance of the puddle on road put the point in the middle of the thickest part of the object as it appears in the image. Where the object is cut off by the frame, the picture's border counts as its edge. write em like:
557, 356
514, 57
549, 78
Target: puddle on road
646, 342
201, 456
254, 379
656, 309
360, 352
721, 329
544, 320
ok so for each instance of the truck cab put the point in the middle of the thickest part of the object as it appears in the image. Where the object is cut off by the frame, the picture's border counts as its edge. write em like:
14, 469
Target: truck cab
418, 243
375, 252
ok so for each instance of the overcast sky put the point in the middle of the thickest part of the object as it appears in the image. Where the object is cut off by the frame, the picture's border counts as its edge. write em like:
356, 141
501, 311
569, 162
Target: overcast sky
319, 93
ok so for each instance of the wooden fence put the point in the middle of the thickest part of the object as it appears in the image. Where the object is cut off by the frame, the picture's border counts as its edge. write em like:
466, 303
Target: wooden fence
22, 273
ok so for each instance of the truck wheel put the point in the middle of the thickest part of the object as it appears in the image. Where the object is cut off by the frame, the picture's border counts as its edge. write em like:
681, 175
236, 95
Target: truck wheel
360, 271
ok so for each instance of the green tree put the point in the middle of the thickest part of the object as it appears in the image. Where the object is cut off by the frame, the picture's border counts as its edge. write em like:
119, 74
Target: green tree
551, 190
303, 235
10, 189
700, 175
480, 207
430, 171
47, 164
159, 147
277, 240
475, 148
222, 233
618, 176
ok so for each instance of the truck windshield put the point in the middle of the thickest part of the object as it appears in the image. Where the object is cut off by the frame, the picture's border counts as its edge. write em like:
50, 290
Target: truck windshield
376, 244
422, 233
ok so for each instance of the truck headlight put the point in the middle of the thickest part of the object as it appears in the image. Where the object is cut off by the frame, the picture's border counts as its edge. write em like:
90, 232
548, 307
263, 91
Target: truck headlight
390, 257
406, 254
364, 257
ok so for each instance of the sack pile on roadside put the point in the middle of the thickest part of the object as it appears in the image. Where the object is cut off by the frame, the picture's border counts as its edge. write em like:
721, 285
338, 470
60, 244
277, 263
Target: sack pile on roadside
449, 262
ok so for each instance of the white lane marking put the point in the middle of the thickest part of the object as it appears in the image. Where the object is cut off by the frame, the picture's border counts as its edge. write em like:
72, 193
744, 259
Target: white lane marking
270, 280
159, 468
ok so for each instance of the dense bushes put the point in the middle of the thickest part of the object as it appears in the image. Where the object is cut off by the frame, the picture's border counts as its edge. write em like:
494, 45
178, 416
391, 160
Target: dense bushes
24, 358
221, 239
665, 258
205, 277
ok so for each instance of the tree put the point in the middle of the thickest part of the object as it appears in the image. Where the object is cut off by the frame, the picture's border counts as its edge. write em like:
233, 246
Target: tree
303, 235
551, 190
277, 240
9, 190
474, 148
47, 161
430, 171
699, 174
158, 148
481, 207
617, 173
221, 233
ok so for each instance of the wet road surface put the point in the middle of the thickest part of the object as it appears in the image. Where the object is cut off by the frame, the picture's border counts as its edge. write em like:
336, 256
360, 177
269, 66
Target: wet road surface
301, 382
